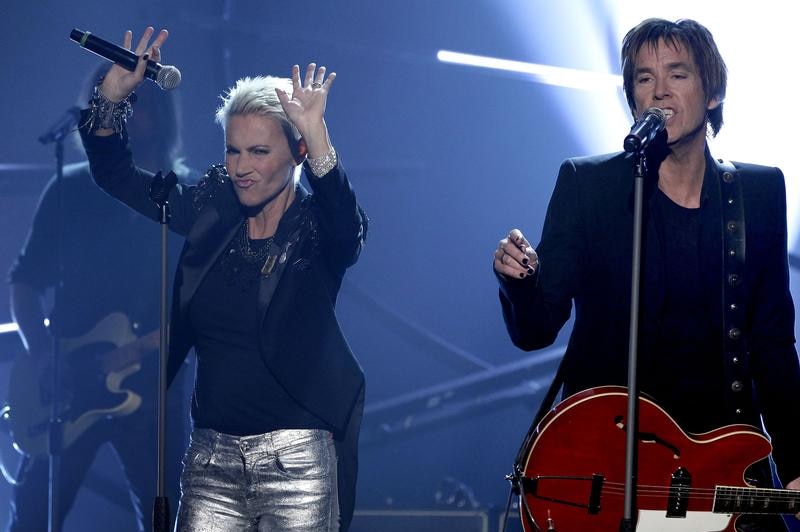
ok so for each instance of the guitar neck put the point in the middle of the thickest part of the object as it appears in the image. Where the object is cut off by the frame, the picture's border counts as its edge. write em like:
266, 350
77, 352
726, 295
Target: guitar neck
729, 499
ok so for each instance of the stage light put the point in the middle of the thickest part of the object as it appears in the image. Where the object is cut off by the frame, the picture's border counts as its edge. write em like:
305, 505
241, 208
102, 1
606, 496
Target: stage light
587, 34
8, 327
550, 75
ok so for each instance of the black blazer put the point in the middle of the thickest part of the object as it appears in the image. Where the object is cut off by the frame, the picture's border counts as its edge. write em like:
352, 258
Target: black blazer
301, 342
585, 257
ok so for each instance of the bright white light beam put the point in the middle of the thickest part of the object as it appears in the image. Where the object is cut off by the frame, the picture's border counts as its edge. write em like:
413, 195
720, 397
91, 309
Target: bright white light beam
550, 75
8, 327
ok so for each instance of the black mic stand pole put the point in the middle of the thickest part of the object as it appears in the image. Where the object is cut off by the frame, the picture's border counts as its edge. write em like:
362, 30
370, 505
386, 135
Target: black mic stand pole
159, 193
55, 428
56, 134
629, 512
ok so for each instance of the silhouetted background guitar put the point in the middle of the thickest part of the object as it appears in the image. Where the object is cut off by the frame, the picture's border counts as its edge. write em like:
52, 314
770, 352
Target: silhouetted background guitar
95, 366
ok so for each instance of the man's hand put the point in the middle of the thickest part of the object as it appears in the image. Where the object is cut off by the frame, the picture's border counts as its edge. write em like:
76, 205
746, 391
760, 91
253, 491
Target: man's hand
514, 256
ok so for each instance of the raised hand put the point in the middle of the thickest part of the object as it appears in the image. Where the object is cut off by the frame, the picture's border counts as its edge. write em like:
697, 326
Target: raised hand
119, 82
306, 107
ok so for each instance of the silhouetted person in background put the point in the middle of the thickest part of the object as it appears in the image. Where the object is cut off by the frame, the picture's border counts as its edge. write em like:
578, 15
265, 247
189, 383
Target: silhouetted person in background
109, 298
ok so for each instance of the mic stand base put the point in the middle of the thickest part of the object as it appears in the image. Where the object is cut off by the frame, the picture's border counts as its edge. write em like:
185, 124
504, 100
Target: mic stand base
161, 515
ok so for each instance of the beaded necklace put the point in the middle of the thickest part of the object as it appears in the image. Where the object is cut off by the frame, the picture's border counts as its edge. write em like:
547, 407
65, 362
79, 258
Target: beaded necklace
241, 264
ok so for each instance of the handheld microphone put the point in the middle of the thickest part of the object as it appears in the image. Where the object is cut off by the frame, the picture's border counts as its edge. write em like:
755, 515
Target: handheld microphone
650, 124
165, 76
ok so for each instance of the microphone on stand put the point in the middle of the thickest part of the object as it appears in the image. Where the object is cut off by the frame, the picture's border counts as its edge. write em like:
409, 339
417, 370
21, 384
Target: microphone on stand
61, 128
160, 187
165, 76
644, 131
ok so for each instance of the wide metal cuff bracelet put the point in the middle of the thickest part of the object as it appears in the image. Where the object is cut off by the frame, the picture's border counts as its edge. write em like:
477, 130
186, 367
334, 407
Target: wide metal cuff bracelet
105, 114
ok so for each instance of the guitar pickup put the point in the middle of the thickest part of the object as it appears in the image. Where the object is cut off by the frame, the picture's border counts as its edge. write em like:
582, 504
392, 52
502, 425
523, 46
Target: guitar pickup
679, 488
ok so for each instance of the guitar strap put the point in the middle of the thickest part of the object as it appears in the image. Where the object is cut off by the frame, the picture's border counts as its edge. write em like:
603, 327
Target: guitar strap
739, 393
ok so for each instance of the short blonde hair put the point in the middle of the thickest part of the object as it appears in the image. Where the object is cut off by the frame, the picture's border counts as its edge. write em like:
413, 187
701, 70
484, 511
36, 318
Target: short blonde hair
257, 96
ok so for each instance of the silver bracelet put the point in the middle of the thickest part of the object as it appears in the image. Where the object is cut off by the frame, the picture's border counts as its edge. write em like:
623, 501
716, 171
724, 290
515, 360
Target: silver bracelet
322, 165
105, 114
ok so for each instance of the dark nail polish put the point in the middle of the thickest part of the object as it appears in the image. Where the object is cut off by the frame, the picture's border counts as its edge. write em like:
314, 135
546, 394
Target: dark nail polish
531, 271
525, 261
522, 275
146, 57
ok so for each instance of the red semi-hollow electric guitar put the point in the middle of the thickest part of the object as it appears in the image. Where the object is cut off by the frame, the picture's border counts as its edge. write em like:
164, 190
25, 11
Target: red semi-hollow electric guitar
573, 476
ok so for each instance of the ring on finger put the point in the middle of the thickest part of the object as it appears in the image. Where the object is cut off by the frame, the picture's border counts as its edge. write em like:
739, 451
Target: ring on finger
316, 85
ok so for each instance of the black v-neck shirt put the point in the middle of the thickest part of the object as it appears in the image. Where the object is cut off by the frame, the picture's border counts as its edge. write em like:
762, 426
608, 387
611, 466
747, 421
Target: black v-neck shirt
235, 393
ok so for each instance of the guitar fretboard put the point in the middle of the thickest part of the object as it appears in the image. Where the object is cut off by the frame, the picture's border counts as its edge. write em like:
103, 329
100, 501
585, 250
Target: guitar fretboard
730, 499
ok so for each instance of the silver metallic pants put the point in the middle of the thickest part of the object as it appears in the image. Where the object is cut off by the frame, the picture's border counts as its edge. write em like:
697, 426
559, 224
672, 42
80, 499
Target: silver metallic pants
281, 480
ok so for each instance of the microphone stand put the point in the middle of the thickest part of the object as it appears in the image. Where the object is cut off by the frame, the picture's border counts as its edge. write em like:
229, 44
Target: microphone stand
159, 193
56, 134
55, 426
627, 523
